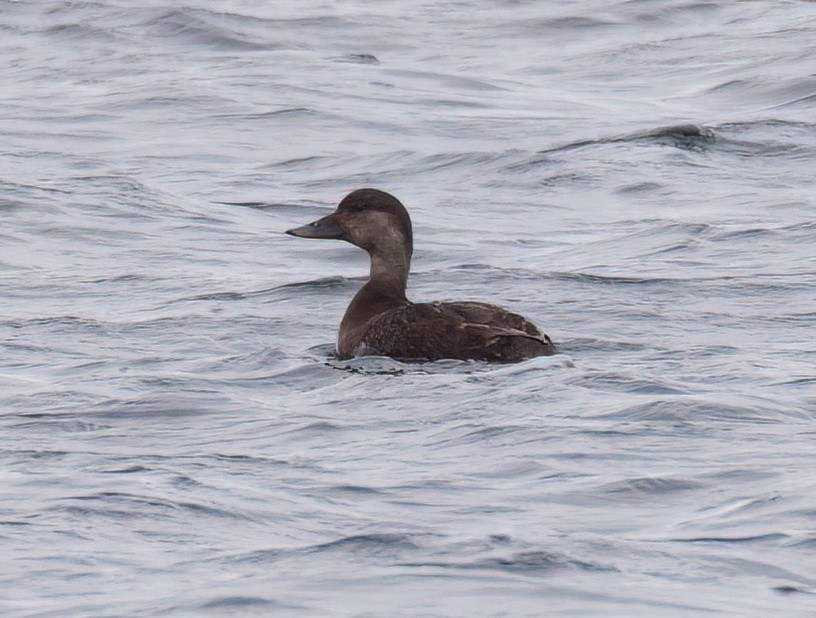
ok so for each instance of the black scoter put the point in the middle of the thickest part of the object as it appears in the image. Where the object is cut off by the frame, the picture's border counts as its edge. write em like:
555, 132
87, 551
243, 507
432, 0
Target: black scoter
380, 319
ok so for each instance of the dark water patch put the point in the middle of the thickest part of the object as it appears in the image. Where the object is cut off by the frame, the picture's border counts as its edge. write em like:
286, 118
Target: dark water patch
777, 124
246, 605
767, 139
128, 470
356, 490
749, 149
8, 205
218, 296
139, 506
650, 487
128, 278
243, 604
186, 482
497, 433
534, 162
367, 544
357, 59
809, 542
792, 590
37, 455
772, 537
71, 322
260, 556
807, 317
61, 422
685, 137
200, 28
53, 402
230, 296
469, 160
799, 381
401, 163
320, 429
748, 234
81, 32
125, 188
254, 460
641, 187
319, 284
15, 523
566, 26
596, 278
29, 188
524, 563
807, 226
294, 164
648, 12
270, 114
572, 22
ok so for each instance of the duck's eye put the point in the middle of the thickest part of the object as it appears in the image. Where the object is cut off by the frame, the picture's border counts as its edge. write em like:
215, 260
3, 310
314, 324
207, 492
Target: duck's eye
357, 206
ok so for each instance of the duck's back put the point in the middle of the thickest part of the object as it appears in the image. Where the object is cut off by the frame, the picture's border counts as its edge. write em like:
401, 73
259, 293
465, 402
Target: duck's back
461, 330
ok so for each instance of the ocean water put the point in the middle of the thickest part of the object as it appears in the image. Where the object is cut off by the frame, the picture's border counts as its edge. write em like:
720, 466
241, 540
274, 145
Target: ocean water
635, 176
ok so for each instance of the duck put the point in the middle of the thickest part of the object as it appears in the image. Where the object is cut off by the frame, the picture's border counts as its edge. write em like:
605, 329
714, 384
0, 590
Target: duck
381, 321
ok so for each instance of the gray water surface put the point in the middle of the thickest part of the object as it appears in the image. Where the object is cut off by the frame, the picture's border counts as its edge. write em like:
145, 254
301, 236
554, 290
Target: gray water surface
634, 176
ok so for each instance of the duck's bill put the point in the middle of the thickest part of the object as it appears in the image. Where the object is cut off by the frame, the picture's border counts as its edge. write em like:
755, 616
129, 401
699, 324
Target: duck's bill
327, 227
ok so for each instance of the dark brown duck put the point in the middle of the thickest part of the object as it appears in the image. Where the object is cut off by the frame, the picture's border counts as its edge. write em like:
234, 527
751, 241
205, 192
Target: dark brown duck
380, 319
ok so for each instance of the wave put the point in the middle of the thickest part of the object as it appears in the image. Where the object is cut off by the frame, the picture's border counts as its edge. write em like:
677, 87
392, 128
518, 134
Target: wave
529, 562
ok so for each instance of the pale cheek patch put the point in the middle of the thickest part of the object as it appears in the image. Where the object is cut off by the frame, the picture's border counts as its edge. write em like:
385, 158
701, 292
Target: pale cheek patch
376, 229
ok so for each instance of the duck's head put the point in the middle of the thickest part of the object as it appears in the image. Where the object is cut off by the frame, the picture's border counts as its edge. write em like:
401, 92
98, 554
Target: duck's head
369, 218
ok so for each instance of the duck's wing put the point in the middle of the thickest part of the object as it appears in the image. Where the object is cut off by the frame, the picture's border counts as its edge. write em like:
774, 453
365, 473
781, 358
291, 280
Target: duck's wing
462, 330
483, 313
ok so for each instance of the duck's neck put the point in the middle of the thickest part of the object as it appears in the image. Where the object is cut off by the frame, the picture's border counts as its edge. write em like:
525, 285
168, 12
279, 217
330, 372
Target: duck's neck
389, 272
384, 289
